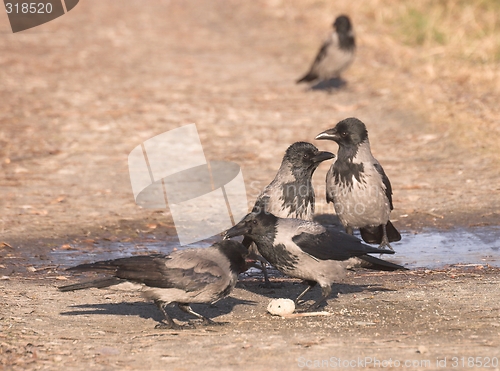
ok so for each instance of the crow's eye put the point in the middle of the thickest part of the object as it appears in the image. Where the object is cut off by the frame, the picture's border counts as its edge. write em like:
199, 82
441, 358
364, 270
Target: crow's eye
343, 134
306, 155
254, 221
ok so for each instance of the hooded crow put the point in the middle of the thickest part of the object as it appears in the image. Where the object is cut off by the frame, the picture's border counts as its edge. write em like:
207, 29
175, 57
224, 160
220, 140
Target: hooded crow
358, 186
307, 250
184, 277
291, 193
336, 53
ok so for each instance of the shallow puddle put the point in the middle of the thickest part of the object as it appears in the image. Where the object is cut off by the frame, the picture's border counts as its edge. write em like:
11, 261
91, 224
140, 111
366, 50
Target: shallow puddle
433, 248
429, 248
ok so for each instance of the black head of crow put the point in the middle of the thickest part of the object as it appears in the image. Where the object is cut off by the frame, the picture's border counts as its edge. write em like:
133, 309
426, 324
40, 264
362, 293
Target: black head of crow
343, 28
348, 133
291, 194
302, 158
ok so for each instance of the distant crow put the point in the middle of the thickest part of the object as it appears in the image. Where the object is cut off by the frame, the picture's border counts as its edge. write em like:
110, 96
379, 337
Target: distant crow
335, 55
358, 186
291, 193
307, 250
187, 276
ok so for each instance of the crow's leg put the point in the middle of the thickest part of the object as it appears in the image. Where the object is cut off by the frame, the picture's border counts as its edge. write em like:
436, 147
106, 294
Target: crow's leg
349, 230
254, 255
169, 323
267, 283
262, 267
325, 293
206, 321
385, 240
310, 284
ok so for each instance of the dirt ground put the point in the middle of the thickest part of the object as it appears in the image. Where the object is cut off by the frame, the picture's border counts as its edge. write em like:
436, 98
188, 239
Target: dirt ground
79, 93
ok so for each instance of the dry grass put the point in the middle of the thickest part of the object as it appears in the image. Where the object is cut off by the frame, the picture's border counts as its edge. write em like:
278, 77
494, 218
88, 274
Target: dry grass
459, 49
440, 59
470, 30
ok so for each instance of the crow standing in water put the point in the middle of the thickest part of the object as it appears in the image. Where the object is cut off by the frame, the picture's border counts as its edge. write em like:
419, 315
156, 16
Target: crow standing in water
335, 55
291, 193
308, 250
358, 186
184, 277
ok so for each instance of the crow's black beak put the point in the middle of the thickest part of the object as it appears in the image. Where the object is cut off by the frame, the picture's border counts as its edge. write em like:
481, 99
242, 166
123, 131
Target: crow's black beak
239, 229
330, 134
323, 156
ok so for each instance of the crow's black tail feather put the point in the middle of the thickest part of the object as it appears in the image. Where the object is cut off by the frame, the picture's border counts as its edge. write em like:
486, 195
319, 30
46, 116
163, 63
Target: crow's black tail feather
97, 266
307, 78
374, 234
101, 283
371, 262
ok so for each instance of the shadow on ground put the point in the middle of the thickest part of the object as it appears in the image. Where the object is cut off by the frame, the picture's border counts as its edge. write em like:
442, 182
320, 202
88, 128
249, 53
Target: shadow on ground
330, 85
149, 311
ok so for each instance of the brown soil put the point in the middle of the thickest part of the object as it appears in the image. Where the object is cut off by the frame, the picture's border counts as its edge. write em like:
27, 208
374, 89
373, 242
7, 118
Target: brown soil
79, 93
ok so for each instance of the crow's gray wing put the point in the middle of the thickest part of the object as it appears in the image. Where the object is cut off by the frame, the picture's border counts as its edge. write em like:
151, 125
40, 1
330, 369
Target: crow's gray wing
330, 188
333, 245
186, 270
385, 180
313, 73
136, 263
193, 269
323, 51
